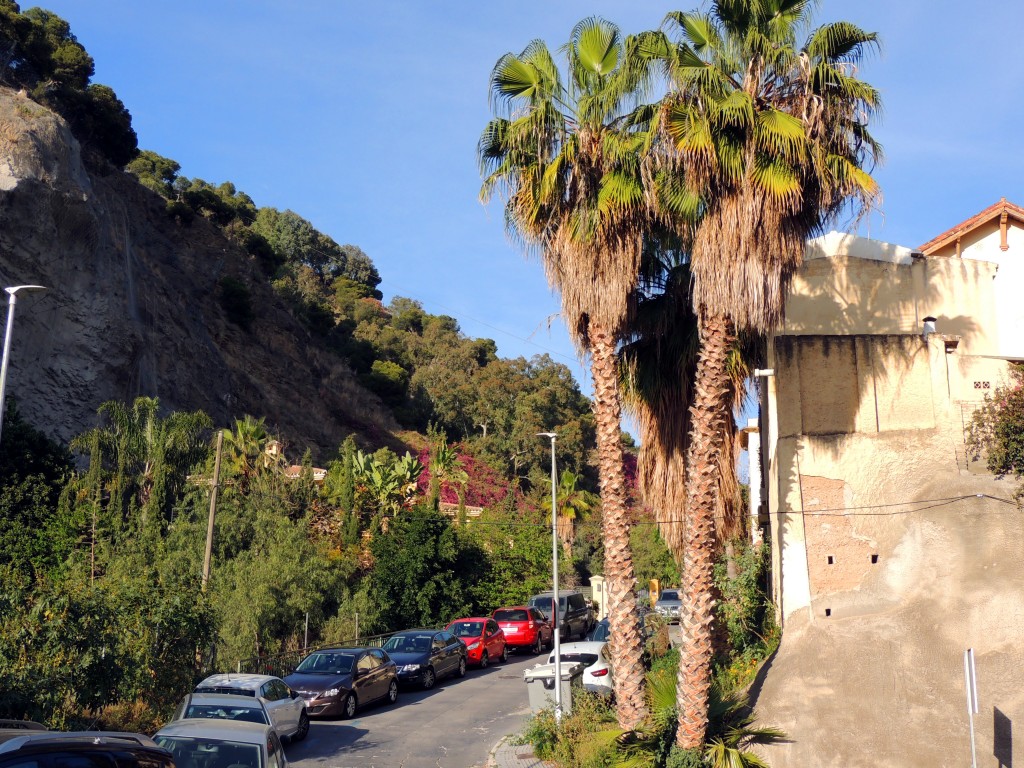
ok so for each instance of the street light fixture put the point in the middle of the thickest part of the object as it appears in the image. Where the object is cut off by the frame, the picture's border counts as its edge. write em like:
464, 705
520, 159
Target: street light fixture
12, 293
557, 632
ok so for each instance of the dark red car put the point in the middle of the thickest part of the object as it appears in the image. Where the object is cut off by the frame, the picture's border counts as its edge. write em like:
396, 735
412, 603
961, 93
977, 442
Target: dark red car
524, 627
484, 639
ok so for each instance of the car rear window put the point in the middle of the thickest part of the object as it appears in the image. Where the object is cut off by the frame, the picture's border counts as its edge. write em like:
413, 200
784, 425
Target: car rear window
586, 658
225, 689
511, 614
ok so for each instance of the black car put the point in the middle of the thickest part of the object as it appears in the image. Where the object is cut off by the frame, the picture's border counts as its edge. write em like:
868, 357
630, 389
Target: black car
424, 656
30, 748
337, 681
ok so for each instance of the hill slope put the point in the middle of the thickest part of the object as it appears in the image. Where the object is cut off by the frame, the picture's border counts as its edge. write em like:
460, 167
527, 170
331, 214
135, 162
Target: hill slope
133, 306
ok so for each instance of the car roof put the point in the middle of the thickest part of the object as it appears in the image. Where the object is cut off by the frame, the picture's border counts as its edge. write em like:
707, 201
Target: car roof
471, 618
512, 608
227, 699
347, 649
226, 730
418, 631
22, 738
235, 680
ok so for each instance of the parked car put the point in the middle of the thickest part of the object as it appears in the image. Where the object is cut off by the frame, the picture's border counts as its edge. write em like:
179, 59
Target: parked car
597, 675
574, 615
226, 706
600, 631
338, 681
22, 747
221, 744
424, 656
286, 708
525, 628
484, 639
20, 725
668, 605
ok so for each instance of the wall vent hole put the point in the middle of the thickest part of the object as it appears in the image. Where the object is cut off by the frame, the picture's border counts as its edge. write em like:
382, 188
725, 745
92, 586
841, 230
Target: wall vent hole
828, 612
831, 560
874, 559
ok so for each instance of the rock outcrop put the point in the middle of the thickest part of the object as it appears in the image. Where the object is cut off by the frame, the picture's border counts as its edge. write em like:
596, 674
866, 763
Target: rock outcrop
132, 306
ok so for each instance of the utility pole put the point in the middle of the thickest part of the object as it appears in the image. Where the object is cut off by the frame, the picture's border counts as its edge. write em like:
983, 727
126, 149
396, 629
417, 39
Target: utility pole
213, 511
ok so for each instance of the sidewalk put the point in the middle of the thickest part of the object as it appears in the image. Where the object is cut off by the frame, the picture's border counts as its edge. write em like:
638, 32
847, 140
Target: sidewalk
507, 755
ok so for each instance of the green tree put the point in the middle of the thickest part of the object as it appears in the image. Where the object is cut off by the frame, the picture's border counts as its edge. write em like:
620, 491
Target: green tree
996, 431
773, 139
573, 503
571, 170
245, 449
420, 579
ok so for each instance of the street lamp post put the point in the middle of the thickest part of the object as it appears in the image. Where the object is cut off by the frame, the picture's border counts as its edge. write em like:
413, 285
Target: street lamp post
557, 631
12, 293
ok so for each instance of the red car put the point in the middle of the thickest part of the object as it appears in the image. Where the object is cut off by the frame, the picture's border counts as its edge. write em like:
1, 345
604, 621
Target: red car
484, 639
524, 627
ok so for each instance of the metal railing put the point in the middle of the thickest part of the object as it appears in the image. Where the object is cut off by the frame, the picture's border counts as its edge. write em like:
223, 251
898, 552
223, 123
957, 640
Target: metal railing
281, 664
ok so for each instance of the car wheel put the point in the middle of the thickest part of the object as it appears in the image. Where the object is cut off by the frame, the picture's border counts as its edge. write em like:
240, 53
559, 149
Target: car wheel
538, 648
483, 660
349, 706
462, 667
393, 692
300, 734
429, 678
504, 654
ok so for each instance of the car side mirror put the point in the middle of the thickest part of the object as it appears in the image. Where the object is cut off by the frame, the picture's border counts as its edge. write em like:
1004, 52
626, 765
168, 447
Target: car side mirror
295, 694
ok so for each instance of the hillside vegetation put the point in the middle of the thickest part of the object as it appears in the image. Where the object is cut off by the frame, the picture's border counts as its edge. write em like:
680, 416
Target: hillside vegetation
180, 308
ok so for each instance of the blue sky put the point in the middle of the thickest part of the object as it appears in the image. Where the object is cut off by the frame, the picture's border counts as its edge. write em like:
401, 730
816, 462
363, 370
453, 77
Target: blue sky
363, 117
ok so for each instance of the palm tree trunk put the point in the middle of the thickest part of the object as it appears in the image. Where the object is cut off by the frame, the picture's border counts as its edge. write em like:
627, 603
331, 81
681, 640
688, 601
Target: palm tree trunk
710, 407
626, 639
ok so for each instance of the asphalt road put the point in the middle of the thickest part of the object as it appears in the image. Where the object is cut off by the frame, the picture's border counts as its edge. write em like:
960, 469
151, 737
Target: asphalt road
454, 725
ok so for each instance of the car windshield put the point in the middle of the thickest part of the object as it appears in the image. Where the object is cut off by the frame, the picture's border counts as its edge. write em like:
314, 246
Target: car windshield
600, 631
669, 594
511, 614
232, 712
467, 628
408, 643
225, 689
211, 753
326, 664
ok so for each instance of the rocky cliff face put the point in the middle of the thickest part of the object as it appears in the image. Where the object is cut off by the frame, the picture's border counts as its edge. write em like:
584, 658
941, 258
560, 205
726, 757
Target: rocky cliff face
133, 306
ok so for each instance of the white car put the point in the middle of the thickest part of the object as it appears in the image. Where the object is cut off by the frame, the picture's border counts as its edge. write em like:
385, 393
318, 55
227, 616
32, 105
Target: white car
597, 675
287, 710
232, 744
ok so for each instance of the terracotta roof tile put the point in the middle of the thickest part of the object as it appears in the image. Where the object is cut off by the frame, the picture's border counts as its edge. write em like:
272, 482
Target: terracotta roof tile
993, 211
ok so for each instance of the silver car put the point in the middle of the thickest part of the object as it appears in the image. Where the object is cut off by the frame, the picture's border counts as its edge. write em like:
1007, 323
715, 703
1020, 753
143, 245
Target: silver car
286, 709
669, 605
221, 743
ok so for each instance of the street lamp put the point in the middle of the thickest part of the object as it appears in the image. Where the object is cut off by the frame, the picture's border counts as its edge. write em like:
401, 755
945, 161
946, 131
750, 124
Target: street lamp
554, 569
7, 338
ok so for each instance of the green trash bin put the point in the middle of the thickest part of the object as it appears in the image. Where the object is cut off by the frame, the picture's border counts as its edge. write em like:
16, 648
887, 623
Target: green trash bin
540, 684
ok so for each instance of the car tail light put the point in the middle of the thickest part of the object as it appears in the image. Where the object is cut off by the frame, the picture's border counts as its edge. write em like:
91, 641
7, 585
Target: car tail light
529, 624
599, 673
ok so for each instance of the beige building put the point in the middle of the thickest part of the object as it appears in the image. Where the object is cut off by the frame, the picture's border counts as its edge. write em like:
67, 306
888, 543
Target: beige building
892, 553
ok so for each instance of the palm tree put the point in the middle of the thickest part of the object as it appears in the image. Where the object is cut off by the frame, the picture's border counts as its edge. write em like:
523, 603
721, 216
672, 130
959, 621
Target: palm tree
568, 159
149, 456
573, 503
773, 139
245, 448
